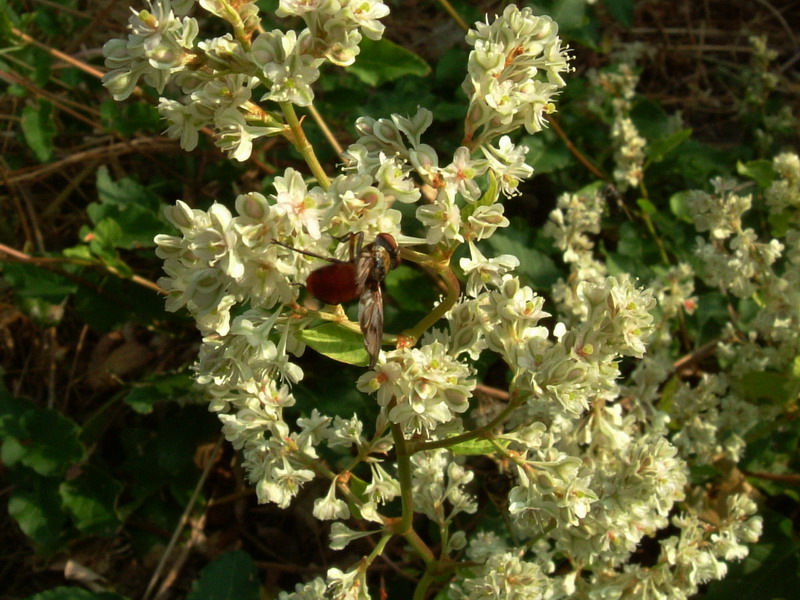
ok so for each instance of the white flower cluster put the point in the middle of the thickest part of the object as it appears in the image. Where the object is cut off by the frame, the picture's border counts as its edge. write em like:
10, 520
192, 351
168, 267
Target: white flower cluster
514, 73
437, 478
712, 416
575, 218
420, 388
735, 260
629, 145
693, 557
591, 466
712, 420
506, 575
761, 78
619, 466
223, 261
218, 76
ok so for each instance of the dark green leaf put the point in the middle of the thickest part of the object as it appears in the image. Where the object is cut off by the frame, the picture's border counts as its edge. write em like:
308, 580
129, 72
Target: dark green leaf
74, 593
37, 510
91, 499
569, 14
411, 290
546, 153
33, 281
7, 20
621, 10
232, 576
765, 386
128, 214
338, 343
111, 302
11, 412
42, 67
712, 308
143, 396
130, 117
536, 266
650, 119
450, 69
124, 192
47, 20
384, 61
51, 441
38, 128
658, 149
770, 572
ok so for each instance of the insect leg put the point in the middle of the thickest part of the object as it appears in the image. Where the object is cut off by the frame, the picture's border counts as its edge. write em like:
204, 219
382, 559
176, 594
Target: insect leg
307, 253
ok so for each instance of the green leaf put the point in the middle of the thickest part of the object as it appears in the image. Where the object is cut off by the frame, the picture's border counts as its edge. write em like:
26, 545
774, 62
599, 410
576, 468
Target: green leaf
128, 215
539, 268
130, 117
760, 171
7, 20
569, 14
146, 394
647, 207
384, 61
37, 510
11, 412
38, 128
34, 281
476, 447
106, 235
767, 386
48, 440
410, 289
91, 500
546, 153
771, 570
795, 368
657, 150
679, 205
232, 576
621, 10
73, 593
338, 343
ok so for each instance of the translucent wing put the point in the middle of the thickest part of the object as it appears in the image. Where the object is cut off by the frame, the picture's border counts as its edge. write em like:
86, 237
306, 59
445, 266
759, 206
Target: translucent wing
364, 269
370, 318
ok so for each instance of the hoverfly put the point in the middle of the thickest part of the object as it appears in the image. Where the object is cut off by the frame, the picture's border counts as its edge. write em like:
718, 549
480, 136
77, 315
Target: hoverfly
360, 277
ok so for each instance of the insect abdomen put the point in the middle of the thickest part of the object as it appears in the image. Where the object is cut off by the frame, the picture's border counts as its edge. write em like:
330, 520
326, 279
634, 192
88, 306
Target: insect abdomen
334, 284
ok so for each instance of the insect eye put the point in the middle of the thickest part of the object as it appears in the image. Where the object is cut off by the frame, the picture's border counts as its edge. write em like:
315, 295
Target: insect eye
388, 243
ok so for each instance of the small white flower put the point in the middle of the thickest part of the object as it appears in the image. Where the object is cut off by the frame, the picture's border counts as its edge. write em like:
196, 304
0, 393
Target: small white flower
482, 272
329, 507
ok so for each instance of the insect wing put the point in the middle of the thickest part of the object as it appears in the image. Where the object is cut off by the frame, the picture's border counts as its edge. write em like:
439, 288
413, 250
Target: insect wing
334, 284
370, 319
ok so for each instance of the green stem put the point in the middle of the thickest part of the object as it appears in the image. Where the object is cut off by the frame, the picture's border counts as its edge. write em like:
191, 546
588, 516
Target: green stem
404, 526
652, 229
469, 435
420, 546
422, 586
303, 146
233, 17
378, 549
404, 477
454, 14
